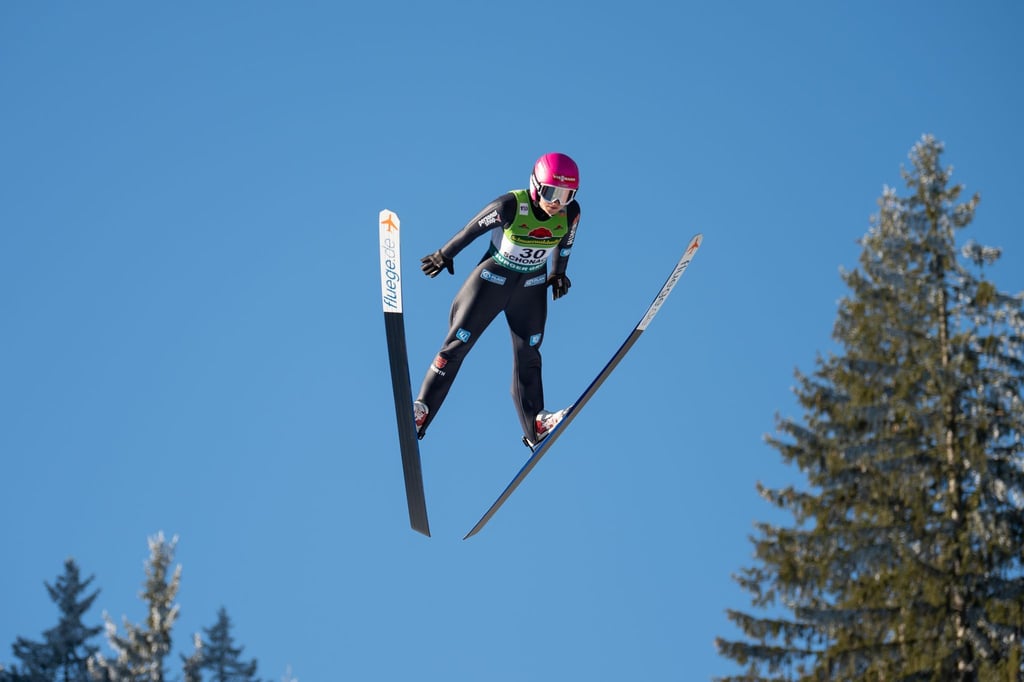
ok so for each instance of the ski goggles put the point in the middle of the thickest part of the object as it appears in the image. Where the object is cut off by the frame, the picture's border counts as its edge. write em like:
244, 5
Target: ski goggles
551, 194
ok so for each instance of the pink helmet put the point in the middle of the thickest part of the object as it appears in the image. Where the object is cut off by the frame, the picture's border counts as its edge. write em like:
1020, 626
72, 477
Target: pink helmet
555, 177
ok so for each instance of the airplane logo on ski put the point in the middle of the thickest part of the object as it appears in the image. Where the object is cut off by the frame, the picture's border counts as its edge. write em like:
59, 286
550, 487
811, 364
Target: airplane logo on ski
389, 224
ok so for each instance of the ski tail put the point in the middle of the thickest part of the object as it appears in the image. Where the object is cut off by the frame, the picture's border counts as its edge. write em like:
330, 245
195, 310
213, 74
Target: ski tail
542, 447
398, 358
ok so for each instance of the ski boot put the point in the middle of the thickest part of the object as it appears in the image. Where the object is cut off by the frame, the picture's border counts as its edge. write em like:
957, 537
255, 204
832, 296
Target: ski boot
543, 425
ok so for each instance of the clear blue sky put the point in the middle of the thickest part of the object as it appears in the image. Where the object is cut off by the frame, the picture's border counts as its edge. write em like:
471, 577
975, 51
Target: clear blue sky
192, 337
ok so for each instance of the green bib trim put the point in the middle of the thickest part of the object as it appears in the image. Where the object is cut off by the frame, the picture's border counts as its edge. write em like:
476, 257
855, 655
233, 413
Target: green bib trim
527, 243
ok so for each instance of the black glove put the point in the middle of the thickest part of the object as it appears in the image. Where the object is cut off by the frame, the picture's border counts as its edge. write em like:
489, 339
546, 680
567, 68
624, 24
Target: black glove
435, 263
559, 285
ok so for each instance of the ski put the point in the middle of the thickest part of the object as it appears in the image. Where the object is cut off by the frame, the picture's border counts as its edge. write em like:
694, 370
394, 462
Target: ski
541, 448
394, 327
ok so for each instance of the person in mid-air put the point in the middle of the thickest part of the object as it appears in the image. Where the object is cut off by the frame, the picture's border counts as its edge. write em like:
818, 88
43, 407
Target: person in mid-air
531, 235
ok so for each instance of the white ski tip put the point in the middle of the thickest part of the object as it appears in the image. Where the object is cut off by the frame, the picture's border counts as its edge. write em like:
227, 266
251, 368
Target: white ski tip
390, 261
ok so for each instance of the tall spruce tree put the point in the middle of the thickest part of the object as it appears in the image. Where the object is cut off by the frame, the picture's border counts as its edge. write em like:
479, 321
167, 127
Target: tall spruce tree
218, 655
142, 650
905, 559
62, 654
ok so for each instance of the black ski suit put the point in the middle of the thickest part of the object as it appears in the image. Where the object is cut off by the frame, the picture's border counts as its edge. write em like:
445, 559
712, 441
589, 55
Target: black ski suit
527, 248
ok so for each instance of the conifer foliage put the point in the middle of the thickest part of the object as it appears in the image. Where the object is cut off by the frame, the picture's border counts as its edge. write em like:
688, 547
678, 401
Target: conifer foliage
218, 655
65, 648
142, 650
904, 560
67, 652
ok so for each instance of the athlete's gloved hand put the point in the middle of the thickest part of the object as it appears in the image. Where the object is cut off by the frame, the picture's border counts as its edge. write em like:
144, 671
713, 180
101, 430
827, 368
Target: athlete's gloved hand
435, 263
559, 285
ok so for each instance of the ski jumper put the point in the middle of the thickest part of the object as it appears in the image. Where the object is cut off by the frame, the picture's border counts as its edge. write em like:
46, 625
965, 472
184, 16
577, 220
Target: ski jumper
524, 245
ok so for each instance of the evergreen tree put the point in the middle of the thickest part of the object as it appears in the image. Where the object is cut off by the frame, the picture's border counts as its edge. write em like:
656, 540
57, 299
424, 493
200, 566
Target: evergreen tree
62, 655
192, 665
218, 655
143, 648
905, 559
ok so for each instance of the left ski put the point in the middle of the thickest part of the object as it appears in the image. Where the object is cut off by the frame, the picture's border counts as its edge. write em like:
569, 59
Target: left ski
394, 327
543, 446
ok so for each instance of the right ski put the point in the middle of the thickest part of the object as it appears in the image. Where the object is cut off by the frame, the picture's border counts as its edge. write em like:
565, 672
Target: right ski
544, 445
394, 327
